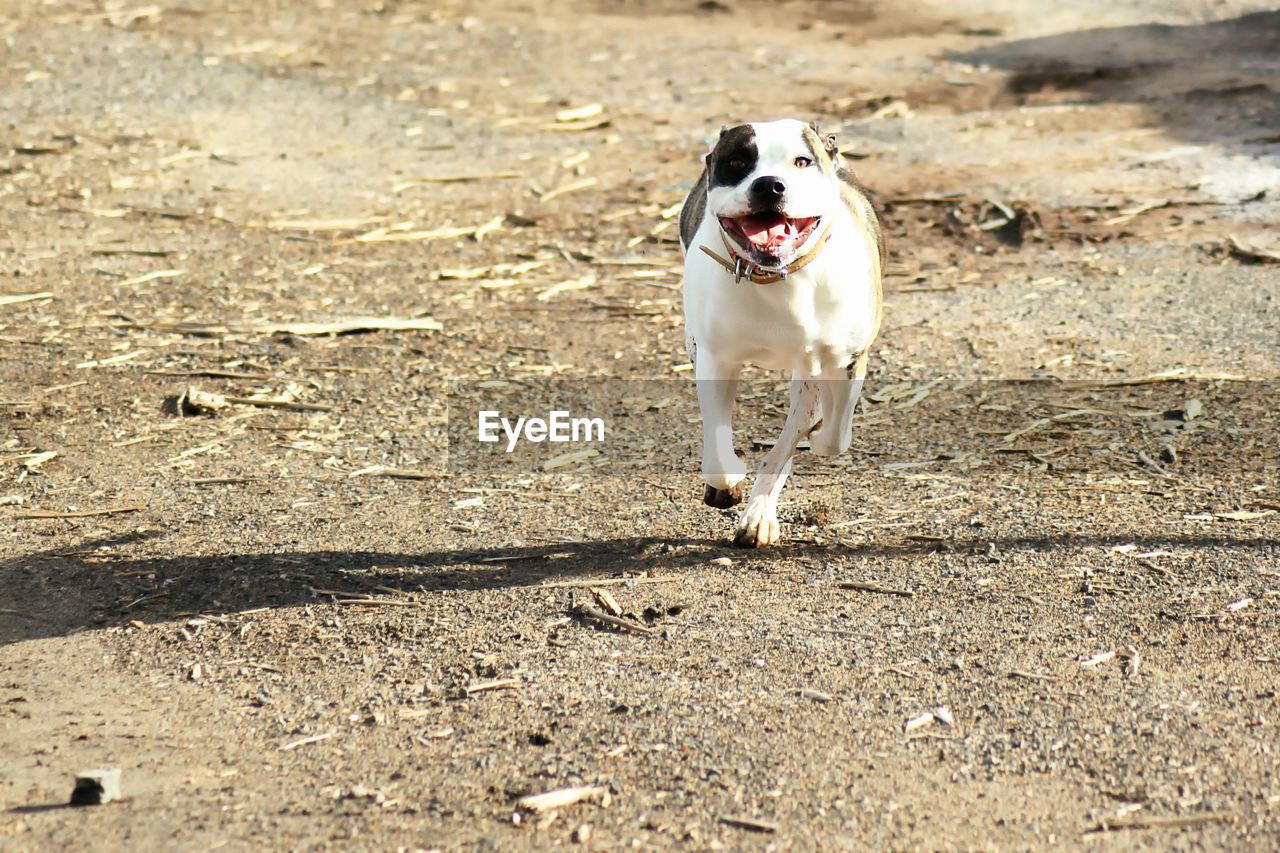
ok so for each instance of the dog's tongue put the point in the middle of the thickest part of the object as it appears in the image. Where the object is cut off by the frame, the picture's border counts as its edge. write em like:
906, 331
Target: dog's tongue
765, 230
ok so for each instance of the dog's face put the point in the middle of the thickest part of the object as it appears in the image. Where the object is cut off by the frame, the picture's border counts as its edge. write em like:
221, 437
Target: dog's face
771, 186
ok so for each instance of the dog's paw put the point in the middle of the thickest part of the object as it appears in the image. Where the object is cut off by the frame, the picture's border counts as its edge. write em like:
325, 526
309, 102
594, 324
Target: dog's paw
725, 477
758, 525
723, 472
722, 498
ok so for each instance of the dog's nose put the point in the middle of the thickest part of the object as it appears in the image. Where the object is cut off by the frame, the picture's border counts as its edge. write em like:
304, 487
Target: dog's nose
769, 187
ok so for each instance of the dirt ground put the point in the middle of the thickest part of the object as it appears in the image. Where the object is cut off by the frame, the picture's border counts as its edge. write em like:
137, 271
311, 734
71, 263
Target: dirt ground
262, 265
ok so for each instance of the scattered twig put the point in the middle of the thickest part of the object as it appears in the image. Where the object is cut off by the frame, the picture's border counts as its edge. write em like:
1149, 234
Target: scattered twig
395, 234
1154, 566
304, 741
586, 611
115, 359
224, 481
1032, 676
215, 374
576, 584
325, 224
572, 114
1175, 375
844, 632
152, 276
415, 713
15, 298
265, 667
291, 405
142, 600
941, 198
434, 734
1162, 822
1101, 657
561, 797
1244, 515
1130, 213
582, 283
750, 823
302, 329
583, 184
378, 602
88, 513
869, 586
496, 684
456, 179
395, 473
1075, 413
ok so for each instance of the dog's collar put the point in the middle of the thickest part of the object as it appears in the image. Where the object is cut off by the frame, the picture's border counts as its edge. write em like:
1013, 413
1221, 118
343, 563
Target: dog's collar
742, 268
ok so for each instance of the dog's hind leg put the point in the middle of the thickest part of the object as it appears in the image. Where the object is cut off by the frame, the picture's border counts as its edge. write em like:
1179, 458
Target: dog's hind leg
722, 470
833, 434
758, 525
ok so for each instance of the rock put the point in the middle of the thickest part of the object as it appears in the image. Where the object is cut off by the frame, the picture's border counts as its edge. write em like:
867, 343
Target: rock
94, 787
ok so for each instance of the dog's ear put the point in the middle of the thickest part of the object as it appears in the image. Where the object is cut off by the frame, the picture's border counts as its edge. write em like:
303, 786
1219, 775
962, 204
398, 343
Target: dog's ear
828, 140
706, 158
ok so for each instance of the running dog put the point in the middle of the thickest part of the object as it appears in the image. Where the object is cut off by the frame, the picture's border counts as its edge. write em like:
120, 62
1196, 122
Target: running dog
783, 256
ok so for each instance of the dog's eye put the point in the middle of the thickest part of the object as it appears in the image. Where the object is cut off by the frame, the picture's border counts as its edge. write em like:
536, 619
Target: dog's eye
803, 162
737, 164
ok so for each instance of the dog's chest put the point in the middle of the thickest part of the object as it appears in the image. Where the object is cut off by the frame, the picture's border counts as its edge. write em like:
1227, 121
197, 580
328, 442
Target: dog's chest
813, 321
808, 323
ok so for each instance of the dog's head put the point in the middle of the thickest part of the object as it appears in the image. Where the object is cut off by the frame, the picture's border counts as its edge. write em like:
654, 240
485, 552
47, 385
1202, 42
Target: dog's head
772, 186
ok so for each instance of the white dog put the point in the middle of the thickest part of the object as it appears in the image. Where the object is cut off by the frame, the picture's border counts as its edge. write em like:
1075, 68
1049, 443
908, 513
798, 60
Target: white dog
782, 264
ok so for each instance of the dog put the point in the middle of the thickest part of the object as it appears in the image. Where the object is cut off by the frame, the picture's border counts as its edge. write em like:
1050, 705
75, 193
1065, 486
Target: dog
783, 257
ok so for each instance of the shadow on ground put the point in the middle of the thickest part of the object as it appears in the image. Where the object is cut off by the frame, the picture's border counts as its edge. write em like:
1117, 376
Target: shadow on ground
1209, 83
56, 593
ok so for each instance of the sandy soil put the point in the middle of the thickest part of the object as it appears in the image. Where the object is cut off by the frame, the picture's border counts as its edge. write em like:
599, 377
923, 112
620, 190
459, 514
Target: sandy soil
254, 556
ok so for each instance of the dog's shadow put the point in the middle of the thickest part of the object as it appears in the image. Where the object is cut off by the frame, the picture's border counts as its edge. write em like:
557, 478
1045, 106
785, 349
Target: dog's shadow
55, 593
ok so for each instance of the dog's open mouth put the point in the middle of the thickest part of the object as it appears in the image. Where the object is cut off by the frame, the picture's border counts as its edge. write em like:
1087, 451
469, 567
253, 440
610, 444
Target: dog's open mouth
773, 238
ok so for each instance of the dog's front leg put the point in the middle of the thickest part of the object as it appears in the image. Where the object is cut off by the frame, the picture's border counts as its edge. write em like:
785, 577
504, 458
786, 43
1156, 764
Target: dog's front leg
758, 525
833, 434
722, 470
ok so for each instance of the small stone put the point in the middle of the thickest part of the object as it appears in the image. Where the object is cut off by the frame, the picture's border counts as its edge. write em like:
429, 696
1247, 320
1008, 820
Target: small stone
722, 561
94, 787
